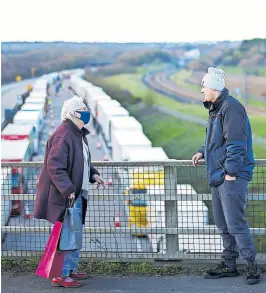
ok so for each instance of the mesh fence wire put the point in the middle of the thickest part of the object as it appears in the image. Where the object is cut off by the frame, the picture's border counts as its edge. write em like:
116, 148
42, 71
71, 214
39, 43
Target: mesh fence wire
148, 211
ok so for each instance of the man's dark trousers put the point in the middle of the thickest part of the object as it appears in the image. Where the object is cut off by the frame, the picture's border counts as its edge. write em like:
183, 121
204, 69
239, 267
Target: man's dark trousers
229, 201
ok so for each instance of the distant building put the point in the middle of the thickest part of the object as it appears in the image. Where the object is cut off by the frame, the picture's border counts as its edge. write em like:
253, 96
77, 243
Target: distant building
192, 54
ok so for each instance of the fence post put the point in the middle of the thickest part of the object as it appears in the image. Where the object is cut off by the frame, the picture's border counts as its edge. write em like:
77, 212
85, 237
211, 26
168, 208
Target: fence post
171, 217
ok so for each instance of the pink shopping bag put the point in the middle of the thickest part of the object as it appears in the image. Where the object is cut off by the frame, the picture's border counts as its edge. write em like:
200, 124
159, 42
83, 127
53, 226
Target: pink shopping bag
52, 260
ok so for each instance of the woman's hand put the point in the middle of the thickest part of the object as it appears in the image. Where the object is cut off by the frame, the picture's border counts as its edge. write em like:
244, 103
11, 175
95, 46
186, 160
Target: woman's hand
72, 196
99, 180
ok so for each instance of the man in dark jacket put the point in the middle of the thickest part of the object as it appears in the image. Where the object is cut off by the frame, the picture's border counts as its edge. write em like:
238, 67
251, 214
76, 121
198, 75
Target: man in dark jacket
229, 159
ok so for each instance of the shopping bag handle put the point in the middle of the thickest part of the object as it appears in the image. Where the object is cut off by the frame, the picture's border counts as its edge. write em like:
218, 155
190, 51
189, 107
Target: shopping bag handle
71, 202
70, 205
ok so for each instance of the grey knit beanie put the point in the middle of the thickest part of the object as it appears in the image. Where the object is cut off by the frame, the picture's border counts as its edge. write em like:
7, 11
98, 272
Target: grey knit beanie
214, 79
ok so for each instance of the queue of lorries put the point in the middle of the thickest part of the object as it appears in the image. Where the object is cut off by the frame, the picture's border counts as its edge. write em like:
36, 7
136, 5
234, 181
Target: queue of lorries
124, 137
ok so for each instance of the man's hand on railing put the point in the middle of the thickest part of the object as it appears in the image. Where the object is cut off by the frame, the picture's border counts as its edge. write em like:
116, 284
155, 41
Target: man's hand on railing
99, 180
196, 158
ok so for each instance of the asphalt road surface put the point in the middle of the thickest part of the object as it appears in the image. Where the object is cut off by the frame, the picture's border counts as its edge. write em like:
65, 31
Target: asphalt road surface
177, 284
9, 95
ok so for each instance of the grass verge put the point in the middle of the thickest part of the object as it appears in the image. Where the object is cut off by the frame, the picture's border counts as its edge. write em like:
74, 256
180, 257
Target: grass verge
258, 125
102, 268
96, 268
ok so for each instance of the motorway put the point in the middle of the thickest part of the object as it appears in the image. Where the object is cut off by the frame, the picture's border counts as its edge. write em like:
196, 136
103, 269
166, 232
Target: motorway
8, 87
102, 206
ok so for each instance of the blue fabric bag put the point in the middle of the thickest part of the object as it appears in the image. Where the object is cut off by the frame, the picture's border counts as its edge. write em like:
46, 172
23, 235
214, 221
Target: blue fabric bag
71, 234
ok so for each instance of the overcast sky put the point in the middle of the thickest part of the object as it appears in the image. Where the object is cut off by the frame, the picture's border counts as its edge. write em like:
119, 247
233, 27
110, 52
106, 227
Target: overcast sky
132, 20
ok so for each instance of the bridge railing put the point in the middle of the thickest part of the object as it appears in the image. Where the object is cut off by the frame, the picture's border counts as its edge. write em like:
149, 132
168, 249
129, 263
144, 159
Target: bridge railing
149, 211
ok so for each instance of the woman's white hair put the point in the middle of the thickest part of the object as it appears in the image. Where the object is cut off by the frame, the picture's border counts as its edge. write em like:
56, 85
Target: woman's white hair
70, 106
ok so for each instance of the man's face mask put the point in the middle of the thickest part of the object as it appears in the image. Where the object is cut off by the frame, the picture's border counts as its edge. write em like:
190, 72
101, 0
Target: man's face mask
84, 116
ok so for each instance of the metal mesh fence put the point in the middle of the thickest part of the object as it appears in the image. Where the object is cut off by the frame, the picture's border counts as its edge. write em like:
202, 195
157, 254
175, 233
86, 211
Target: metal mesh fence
159, 210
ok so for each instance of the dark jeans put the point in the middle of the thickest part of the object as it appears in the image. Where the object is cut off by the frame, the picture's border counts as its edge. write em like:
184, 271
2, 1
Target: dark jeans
229, 201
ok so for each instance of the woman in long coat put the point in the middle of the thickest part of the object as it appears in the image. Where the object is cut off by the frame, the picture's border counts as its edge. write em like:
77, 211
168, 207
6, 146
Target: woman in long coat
65, 176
